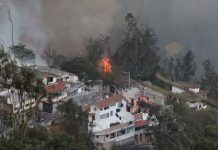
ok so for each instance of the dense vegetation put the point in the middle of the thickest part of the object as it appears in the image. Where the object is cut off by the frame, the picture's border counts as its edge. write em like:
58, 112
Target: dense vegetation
72, 133
29, 84
187, 129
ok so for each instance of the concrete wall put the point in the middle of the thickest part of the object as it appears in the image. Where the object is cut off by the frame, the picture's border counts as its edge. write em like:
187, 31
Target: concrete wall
30, 103
73, 78
107, 138
111, 108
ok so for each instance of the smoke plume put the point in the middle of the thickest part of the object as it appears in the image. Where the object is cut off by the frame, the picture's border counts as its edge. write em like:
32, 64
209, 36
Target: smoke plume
65, 25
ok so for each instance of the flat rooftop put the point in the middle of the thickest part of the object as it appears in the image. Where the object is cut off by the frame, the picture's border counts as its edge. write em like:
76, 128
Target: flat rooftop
46, 70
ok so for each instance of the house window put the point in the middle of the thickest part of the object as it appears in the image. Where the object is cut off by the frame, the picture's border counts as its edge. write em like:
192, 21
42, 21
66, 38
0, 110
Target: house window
106, 108
93, 118
130, 129
97, 136
112, 135
117, 110
107, 135
120, 104
132, 102
111, 113
121, 132
104, 116
49, 79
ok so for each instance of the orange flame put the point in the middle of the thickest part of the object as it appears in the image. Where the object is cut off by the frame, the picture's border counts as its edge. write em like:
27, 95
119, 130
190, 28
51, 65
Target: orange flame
106, 66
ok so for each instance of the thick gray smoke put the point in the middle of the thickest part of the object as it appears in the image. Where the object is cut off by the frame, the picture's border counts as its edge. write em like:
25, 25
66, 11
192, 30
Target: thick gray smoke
192, 23
63, 25
66, 24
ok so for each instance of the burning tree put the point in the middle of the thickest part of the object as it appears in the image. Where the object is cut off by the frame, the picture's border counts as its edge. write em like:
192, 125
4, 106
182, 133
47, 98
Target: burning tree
106, 65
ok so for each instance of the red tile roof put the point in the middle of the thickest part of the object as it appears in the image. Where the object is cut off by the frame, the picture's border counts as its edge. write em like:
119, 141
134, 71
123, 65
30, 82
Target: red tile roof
203, 92
55, 87
141, 123
147, 100
187, 85
109, 101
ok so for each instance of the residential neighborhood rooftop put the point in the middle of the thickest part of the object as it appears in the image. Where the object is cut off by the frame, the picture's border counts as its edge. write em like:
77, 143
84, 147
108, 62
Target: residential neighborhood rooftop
55, 87
47, 71
187, 84
141, 123
109, 101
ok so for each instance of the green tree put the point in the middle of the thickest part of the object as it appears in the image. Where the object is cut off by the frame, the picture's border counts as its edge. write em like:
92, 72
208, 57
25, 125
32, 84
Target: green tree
189, 66
39, 139
138, 49
208, 139
74, 121
82, 67
23, 79
208, 69
210, 79
22, 53
58, 60
181, 68
95, 48
29, 86
64, 142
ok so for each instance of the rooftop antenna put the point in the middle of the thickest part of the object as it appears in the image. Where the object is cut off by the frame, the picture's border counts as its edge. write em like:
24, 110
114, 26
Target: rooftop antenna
1, 43
129, 79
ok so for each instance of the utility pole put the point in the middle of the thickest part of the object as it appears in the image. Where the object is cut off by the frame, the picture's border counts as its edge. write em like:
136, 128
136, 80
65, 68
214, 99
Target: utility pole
4, 4
129, 78
101, 90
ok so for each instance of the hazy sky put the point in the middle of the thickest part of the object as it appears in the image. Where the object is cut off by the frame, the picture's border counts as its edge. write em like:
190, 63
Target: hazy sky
67, 24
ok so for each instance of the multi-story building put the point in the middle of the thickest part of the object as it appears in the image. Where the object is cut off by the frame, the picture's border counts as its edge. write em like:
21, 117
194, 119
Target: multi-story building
13, 103
58, 85
51, 75
56, 94
110, 122
181, 87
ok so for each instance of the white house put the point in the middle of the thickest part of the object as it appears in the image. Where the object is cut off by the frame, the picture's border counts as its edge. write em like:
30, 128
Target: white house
56, 94
13, 100
51, 75
196, 105
177, 90
109, 121
192, 87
